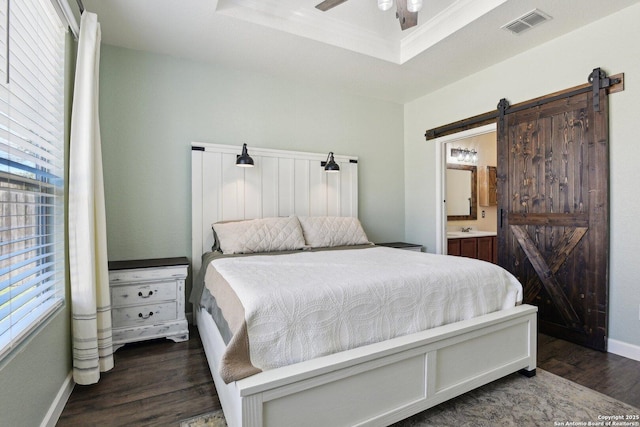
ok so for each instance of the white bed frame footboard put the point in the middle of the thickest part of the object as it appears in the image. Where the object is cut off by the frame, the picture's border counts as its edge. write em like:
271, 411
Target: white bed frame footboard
378, 384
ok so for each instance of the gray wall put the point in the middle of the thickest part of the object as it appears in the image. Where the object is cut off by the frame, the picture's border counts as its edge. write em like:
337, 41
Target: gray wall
556, 65
153, 106
31, 379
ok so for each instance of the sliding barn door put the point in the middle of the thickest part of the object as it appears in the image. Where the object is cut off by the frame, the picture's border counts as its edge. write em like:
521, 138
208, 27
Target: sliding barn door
553, 211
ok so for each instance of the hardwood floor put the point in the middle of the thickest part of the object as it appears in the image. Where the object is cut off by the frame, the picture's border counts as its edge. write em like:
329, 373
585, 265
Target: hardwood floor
153, 383
159, 383
607, 373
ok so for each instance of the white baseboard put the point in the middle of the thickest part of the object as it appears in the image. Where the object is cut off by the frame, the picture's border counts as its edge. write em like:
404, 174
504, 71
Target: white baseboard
624, 349
55, 410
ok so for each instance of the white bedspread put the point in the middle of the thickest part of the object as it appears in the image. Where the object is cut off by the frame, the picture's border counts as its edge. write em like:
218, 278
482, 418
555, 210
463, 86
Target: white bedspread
308, 304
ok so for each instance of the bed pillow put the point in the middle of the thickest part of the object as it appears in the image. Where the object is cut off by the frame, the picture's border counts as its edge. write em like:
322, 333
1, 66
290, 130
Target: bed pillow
259, 235
330, 231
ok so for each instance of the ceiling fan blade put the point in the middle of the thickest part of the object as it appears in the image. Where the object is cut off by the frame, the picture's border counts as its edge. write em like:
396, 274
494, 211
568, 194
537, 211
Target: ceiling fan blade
329, 4
407, 19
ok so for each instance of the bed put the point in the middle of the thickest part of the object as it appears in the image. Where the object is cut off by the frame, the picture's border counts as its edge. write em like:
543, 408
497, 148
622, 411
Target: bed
374, 381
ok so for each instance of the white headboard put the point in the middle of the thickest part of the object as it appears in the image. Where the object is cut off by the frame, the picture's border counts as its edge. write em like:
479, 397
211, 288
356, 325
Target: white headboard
282, 183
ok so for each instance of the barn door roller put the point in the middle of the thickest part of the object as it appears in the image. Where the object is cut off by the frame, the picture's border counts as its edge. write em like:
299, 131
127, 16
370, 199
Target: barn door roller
599, 80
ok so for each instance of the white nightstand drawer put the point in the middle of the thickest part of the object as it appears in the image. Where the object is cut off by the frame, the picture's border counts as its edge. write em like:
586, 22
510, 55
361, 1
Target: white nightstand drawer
141, 275
147, 299
143, 293
143, 314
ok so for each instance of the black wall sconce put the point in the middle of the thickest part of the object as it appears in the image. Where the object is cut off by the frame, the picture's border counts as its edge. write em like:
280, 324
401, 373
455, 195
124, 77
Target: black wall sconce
330, 164
244, 160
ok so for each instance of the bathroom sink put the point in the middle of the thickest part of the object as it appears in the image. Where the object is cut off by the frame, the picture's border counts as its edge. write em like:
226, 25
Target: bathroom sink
456, 234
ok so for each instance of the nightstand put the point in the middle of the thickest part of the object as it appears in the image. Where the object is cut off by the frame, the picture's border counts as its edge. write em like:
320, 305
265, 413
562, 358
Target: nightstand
402, 245
147, 300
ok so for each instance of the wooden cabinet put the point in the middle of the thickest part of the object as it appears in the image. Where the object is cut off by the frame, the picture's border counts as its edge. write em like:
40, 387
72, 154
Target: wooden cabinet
488, 186
487, 246
147, 299
468, 247
453, 247
484, 248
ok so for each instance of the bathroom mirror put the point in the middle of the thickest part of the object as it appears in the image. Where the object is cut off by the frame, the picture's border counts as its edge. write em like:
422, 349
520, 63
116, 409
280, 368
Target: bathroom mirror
462, 184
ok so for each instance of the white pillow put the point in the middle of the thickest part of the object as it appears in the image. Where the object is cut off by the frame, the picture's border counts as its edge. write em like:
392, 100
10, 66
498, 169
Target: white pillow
259, 235
330, 231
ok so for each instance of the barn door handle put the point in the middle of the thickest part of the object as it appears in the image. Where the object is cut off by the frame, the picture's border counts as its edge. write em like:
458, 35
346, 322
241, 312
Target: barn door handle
501, 215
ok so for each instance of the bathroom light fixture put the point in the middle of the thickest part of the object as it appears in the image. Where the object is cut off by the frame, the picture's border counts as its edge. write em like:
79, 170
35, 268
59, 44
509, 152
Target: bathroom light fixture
465, 155
330, 165
244, 160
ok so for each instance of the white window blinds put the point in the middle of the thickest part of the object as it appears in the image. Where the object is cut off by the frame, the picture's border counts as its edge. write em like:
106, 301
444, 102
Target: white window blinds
32, 277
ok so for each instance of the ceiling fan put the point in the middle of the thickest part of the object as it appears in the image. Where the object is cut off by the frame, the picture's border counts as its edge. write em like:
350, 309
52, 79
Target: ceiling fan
406, 10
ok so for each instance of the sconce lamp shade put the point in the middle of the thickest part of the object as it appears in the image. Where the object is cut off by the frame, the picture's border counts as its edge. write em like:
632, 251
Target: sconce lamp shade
330, 165
244, 160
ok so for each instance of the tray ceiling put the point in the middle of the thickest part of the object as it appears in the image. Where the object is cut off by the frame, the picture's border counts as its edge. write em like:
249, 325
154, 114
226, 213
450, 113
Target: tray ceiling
353, 46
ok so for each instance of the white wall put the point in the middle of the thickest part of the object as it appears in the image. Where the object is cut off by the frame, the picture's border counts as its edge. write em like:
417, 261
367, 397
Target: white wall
611, 44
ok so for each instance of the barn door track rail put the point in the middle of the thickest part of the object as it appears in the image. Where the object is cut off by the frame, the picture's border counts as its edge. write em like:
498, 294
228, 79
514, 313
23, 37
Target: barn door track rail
596, 81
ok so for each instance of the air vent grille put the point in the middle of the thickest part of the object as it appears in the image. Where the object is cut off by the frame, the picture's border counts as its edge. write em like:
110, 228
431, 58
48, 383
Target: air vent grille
526, 21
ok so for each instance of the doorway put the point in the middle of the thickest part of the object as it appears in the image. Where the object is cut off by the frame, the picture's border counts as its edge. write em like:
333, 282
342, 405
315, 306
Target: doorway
483, 141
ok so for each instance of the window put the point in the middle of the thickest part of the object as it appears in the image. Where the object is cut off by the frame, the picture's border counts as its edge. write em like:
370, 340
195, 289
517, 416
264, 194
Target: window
32, 276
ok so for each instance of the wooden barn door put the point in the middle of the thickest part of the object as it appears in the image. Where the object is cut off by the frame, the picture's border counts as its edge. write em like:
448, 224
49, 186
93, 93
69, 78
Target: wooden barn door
553, 171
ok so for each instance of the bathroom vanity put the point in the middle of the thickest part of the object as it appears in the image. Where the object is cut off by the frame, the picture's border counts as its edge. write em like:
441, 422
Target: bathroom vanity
473, 244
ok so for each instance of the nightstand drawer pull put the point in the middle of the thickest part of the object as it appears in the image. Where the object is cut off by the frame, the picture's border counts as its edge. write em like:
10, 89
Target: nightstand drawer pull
147, 316
143, 293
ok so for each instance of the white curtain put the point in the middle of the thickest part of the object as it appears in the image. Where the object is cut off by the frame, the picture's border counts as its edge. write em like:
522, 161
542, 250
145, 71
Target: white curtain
90, 300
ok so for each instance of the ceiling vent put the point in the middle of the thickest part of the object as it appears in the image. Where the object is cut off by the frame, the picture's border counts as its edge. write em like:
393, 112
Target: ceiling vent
526, 21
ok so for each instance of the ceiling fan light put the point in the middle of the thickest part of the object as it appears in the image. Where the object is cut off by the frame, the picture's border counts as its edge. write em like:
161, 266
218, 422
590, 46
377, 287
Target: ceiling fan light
385, 4
413, 5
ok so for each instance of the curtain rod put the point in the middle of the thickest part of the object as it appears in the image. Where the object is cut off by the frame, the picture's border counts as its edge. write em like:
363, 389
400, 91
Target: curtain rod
66, 14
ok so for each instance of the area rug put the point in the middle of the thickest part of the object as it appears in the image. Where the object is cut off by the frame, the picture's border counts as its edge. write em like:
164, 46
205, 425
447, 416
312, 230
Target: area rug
544, 400
212, 419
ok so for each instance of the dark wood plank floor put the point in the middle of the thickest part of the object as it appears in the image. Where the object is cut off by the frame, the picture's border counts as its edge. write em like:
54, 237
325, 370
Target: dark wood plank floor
607, 373
159, 383
153, 383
